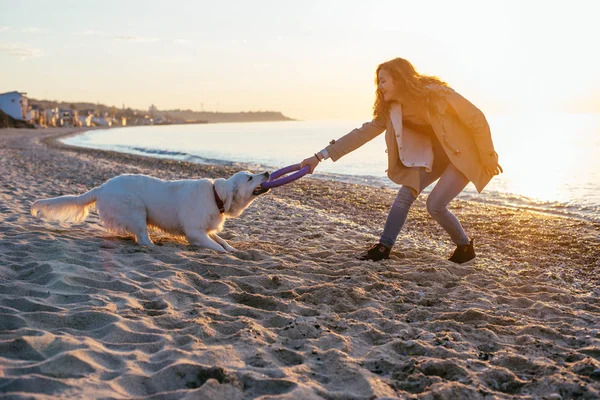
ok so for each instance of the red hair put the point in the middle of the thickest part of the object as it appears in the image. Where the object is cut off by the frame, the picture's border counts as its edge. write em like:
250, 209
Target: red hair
415, 87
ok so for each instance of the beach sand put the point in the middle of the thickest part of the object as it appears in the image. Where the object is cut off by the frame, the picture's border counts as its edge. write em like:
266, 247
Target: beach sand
292, 314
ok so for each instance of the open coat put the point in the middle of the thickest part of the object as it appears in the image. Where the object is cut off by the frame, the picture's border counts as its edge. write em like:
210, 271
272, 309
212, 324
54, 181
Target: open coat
461, 128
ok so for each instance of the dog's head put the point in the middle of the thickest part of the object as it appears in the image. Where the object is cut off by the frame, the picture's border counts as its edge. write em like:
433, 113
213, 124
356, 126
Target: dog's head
239, 191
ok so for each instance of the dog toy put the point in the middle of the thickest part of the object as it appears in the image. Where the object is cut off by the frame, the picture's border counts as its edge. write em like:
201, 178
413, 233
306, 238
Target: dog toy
277, 178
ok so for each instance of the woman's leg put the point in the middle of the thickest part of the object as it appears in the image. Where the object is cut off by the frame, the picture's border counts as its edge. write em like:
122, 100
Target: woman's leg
404, 200
397, 216
451, 183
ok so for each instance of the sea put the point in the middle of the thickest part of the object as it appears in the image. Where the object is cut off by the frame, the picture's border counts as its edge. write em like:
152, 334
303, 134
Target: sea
551, 161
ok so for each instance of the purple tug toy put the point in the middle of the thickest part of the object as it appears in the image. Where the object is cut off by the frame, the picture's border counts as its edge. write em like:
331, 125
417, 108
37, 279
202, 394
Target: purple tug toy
275, 182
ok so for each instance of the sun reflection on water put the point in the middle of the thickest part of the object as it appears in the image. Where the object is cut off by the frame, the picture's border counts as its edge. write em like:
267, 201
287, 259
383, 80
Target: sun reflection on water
547, 157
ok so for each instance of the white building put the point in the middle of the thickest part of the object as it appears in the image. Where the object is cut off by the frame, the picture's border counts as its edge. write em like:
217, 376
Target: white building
15, 105
101, 121
68, 117
52, 116
33, 115
85, 120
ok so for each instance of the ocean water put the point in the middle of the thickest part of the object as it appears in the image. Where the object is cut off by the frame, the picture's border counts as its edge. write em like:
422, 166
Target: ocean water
551, 162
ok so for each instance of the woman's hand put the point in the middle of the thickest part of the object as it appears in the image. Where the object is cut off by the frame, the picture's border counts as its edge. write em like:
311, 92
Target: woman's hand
313, 161
492, 169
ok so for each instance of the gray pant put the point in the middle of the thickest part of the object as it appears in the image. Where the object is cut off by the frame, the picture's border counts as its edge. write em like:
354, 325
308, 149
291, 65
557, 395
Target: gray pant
451, 183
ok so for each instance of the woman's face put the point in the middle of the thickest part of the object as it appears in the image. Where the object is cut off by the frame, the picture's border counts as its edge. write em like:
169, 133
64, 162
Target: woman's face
386, 86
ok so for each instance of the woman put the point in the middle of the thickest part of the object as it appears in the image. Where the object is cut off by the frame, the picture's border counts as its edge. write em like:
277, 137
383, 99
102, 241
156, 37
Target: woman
432, 133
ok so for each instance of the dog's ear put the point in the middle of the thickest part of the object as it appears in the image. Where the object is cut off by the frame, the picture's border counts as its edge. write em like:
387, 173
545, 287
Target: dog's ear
225, 190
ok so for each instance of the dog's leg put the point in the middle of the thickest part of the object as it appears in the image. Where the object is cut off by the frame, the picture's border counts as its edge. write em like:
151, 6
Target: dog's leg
222, 242
142, 238
124, 212
201, 238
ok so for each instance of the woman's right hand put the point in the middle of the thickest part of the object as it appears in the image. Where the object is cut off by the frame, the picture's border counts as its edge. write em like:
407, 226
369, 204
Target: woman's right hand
313, 161
492, 169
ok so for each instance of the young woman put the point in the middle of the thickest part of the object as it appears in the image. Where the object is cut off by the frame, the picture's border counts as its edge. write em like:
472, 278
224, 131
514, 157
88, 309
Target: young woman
432, 133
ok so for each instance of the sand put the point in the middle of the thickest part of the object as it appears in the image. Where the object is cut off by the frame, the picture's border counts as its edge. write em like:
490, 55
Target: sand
292, 314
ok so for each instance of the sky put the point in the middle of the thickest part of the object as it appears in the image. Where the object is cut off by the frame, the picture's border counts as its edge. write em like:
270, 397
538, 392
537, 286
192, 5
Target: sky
311, 60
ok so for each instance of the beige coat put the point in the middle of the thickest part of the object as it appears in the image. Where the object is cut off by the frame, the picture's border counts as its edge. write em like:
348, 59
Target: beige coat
460, 127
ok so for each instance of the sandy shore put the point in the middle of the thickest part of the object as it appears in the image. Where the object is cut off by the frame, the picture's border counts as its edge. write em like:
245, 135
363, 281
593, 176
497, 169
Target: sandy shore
291, 315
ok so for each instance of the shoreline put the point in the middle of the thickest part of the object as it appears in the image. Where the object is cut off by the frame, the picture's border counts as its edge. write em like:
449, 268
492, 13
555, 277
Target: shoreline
292, 313
584, 212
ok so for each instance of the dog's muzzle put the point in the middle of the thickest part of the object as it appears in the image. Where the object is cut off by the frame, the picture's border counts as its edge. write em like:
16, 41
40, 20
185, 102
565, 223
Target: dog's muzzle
259, 190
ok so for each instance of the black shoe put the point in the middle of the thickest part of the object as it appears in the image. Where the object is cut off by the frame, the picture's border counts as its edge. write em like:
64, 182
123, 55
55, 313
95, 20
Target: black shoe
463, 253
377, 252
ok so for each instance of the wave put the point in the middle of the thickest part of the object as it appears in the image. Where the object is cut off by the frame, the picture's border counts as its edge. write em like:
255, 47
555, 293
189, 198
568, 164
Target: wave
156, 151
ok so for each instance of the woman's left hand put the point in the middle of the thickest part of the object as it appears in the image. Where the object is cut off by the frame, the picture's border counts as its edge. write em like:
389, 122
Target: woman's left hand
493, 169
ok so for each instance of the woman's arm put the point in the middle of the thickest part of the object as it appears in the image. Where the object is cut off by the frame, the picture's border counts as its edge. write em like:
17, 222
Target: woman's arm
356, 138
347, 143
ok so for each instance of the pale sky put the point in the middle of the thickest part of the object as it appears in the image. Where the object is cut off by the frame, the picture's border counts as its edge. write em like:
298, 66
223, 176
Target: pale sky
308, 59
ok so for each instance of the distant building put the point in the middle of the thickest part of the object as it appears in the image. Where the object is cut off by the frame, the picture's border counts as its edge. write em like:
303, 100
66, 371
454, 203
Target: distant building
85, 117
68, 117
35, 115
15, 105
147, 120
85, 120
101, 121
153, 111
52, 116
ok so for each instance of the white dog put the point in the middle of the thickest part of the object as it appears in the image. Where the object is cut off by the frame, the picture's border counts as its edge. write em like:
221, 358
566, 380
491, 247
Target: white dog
195, 209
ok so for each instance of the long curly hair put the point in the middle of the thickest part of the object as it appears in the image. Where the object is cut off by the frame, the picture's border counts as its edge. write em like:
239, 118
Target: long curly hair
415, 87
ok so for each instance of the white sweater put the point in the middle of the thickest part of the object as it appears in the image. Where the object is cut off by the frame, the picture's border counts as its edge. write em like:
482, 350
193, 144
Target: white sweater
415, 149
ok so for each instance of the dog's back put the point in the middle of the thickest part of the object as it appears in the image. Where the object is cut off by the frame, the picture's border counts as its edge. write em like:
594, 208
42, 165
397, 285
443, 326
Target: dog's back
73, 208
128, 203
162, 204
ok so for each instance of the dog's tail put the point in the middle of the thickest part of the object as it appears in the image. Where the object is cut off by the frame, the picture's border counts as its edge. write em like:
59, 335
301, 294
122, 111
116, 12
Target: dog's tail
65, 208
